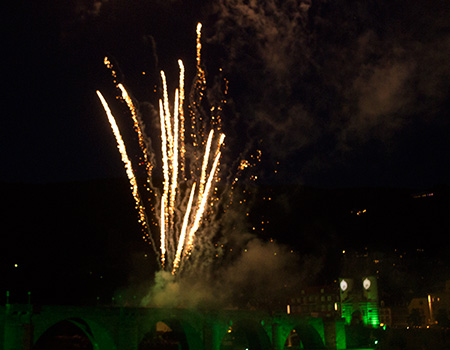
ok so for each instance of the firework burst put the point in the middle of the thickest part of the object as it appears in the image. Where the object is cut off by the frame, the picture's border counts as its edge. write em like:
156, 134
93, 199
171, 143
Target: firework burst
179, 224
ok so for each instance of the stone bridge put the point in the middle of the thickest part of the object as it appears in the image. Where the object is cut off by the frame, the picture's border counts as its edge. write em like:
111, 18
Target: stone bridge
126, 328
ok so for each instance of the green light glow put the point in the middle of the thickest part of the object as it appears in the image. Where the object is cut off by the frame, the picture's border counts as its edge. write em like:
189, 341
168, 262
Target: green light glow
369, 312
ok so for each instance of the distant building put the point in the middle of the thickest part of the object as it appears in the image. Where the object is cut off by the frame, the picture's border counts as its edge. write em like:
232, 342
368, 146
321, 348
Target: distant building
434, 309
418, 313
399, 316
319, 301
385, 315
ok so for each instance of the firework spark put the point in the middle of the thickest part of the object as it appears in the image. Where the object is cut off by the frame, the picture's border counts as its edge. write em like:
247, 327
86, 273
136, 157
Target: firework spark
128, 167
176, 262
204, 196
137, 128
178, 223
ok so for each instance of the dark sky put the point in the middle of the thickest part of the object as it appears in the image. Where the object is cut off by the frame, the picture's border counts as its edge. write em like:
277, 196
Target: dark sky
333, 93
340, 94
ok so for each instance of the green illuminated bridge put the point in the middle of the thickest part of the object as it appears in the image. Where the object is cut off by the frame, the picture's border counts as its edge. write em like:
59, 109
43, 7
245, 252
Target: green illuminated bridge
124, 328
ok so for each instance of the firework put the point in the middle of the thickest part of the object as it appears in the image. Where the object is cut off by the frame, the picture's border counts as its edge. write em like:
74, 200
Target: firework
128, 167
176, 262
178, 223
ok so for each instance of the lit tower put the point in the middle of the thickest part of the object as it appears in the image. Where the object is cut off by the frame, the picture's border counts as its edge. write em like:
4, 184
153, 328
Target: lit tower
360, 295
370, 301
346, 298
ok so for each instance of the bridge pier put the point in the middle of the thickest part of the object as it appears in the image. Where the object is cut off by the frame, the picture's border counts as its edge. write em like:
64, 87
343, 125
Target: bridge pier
17, 329
127, 333
212, 335
335, 334
277, 339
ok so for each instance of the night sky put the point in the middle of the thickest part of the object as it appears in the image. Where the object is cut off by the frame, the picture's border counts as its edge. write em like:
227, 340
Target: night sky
334, 94
338, 94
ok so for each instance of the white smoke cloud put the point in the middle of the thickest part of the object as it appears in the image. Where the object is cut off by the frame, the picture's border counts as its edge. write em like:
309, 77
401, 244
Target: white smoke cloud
169, 291
381, 96
261, 274
270, 32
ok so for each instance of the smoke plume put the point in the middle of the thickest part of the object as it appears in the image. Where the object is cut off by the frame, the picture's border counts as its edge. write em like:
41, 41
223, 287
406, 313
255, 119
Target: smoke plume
260, 275
323, 79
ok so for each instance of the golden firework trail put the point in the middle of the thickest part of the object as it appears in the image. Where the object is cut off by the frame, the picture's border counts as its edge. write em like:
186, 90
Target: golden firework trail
204, 196
128, 167
181, 117
178, 223
176, 262
137, 128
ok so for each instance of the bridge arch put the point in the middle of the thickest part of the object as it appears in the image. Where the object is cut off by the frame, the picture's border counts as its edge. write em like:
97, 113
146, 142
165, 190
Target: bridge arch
246, 334
301, 335
177, 332
82, 328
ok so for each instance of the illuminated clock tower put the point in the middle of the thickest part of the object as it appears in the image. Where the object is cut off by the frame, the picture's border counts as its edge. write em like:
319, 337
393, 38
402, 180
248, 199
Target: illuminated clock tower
360, 295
